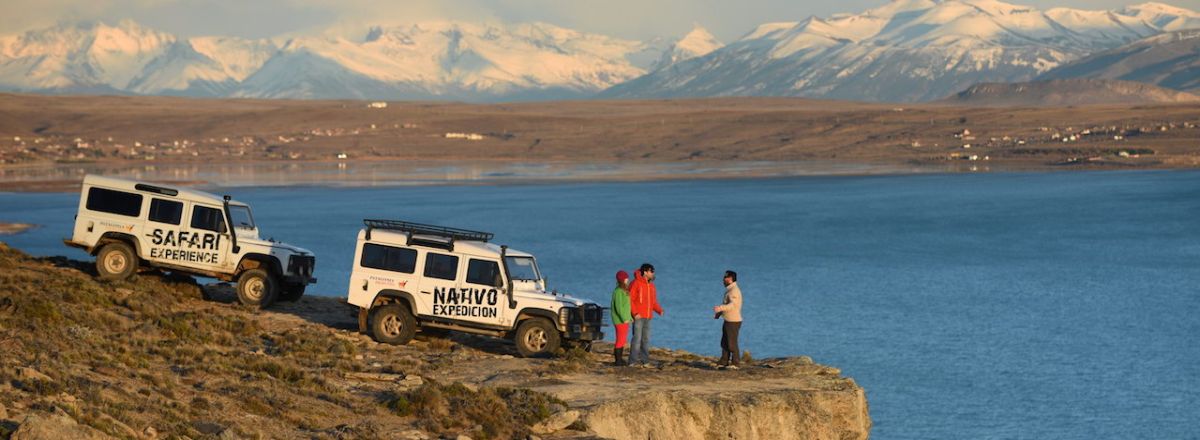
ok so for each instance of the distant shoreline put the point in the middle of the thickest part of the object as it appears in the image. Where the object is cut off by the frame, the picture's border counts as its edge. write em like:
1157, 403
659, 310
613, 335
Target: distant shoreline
49, 178
14, 228
51, 141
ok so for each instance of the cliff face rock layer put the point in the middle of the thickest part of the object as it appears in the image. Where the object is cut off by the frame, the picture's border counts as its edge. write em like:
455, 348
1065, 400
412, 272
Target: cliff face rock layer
753, 415
160, 357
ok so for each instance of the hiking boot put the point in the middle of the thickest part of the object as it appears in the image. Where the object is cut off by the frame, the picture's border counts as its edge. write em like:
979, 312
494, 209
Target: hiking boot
732, 367
619, 357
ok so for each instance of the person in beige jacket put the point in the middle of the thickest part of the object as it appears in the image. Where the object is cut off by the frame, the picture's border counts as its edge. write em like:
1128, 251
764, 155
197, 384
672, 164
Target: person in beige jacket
731, 310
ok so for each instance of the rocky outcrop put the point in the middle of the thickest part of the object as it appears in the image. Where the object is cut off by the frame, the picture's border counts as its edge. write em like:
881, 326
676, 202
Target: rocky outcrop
685, 396
55, 426
777, 415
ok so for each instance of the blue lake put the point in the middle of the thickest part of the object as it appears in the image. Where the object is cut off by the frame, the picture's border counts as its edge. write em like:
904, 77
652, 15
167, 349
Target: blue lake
1040, 305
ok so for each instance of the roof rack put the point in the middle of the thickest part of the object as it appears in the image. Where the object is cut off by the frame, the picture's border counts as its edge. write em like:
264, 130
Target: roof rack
410, 228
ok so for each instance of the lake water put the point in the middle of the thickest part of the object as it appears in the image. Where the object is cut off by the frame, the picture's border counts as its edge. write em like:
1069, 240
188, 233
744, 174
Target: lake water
1039, 305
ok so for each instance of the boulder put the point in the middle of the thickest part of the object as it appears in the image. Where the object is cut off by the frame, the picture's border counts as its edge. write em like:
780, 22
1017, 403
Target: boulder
29, 374
43, 426
413, 435
556, 422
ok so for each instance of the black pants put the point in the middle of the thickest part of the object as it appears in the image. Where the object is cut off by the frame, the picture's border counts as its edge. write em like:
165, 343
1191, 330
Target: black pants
729, 345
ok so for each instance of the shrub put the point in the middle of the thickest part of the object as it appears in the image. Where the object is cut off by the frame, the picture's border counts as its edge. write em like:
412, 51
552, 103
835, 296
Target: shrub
497, 412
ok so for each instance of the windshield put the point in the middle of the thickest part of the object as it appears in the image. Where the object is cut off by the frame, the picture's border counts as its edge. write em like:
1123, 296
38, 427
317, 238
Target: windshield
522, 269
241, 217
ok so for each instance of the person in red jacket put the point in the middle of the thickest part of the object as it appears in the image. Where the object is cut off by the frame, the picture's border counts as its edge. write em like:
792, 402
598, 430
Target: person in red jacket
643, 299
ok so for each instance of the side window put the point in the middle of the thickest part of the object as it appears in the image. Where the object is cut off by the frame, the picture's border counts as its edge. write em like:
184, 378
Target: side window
209, 219
389, 258
441, 266
114, 202
165, 211
482, 272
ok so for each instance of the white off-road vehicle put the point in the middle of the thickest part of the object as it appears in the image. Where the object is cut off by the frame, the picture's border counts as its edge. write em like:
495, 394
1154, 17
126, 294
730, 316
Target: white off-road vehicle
131, 225
410, 277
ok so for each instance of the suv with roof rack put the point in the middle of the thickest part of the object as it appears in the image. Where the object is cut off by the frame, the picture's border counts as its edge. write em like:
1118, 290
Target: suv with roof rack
129, 225
410, 277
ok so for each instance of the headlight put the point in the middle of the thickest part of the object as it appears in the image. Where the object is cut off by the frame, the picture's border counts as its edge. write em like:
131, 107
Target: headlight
564, 315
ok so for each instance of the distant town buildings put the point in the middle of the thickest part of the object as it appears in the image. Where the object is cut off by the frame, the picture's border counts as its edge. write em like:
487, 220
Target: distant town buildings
467, 136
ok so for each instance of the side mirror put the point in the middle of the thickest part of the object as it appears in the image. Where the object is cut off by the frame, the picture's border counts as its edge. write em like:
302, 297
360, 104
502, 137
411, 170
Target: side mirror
498, 282
222, 228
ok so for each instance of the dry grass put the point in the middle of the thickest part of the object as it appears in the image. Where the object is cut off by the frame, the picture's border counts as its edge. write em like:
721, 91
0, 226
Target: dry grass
137, 353
489, 413
125, 356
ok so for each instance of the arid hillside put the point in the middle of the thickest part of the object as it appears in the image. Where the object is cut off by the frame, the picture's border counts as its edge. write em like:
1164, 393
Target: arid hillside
66, 130
162, 357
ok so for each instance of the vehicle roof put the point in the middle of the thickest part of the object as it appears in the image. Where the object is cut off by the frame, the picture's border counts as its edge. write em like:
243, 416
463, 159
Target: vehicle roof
466, 247
129, 185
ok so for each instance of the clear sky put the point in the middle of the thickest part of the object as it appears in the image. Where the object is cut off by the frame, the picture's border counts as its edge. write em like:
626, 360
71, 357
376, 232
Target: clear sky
636, 19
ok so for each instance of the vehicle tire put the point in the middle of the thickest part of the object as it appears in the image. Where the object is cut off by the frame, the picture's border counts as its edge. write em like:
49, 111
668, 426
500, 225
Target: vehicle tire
116, 261
393, 324
291, 292
257, 288
536, 337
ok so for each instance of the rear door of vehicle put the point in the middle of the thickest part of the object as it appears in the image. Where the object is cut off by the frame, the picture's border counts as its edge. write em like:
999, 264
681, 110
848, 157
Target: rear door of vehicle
383, 267
110, 210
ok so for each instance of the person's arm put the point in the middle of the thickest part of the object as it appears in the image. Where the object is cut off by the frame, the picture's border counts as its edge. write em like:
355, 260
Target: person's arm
725, 306
657, 308
623, 307
634, 301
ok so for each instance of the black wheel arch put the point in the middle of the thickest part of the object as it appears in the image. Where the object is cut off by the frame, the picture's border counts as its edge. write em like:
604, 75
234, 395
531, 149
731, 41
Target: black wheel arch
388, 296
110, 237
251, 261
530, 313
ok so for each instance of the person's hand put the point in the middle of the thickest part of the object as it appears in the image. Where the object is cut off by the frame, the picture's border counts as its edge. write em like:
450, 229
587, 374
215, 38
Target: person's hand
716, 309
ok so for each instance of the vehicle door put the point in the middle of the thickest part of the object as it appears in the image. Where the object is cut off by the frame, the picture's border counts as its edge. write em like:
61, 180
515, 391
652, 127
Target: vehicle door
164, 222
440, 283
381, 267
205, 242
481, 286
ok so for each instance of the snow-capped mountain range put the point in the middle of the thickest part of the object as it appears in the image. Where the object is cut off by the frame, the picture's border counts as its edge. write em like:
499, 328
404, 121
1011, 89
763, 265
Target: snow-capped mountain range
902, 51
906, 50
432, 60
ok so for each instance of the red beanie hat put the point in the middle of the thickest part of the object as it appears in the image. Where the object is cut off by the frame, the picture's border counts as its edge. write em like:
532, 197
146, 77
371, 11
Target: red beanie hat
622, 276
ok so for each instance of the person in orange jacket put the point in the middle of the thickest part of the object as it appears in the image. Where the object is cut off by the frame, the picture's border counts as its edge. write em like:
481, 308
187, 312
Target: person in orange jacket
643, 299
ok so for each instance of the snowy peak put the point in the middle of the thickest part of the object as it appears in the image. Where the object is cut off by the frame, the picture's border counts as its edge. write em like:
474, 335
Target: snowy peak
459, 59
87, 54
1163, 16
696, 43
126, 57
